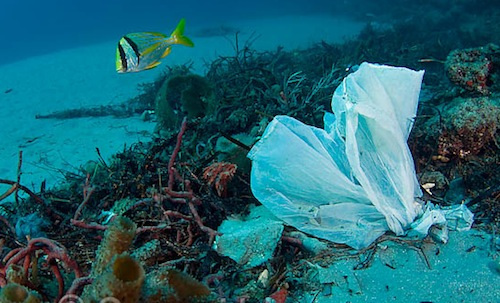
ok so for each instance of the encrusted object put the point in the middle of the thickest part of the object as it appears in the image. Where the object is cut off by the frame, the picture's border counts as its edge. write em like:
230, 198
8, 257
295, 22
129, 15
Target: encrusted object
471, 68
469, 125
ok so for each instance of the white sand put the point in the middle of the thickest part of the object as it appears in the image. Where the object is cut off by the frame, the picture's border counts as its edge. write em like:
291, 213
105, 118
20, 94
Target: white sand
460, 271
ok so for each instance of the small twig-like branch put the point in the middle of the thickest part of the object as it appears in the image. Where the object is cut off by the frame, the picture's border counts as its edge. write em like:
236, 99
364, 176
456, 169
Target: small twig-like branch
25, 189
235, 141
36, 198
292, 85
171, 162
370, 254
428, 60
157, 228
7, 223
9, 191
77, 285
484, 194
87, 192
101, 159
19, 164
211, 233
323, 83
82, 224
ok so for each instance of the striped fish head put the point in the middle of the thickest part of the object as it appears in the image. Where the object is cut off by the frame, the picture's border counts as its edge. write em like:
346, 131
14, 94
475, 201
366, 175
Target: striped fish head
119, 64
127, 56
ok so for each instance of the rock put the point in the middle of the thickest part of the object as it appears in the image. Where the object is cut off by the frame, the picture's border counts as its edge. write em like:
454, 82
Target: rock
471, 68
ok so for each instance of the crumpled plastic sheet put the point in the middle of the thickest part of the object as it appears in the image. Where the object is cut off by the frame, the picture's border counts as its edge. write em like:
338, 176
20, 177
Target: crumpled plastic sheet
355, 179
249, 241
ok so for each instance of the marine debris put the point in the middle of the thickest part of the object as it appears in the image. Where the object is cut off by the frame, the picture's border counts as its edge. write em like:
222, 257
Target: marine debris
100, 111
166, 198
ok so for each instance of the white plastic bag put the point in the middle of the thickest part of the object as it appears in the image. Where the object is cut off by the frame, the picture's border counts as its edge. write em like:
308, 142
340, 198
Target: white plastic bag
355, 179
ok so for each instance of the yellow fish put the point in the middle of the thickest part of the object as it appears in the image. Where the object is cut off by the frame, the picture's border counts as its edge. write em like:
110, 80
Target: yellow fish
141, 51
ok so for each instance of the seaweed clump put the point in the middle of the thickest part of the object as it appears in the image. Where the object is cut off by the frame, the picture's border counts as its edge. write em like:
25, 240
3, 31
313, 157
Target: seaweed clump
183, 94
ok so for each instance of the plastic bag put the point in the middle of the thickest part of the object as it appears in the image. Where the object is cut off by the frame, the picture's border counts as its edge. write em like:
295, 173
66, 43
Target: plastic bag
353, 180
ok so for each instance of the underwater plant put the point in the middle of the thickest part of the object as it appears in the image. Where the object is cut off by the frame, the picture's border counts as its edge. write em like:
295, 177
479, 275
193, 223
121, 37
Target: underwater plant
184, 94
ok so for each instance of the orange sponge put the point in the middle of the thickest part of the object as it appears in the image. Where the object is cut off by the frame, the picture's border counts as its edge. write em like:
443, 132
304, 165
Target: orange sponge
117, 239
15, 293
122, 280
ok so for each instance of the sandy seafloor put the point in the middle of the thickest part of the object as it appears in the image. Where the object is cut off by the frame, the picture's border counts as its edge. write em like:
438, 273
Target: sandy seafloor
462, 271
86, 77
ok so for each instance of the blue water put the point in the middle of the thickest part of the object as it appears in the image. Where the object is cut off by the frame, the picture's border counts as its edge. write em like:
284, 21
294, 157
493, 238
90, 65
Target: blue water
33, 27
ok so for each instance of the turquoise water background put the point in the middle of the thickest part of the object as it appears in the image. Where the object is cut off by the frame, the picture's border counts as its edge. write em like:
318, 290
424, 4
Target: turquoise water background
33, 27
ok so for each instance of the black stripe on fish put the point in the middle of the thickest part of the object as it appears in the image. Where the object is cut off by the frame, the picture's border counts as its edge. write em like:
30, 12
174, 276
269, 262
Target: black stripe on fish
134, 47
123, 59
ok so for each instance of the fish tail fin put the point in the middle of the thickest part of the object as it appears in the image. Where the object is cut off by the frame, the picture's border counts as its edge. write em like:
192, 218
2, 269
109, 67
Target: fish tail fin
178, 34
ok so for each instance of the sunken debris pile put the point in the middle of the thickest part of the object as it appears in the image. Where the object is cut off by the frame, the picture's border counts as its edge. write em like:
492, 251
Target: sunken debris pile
175, 190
